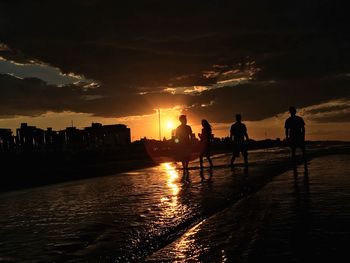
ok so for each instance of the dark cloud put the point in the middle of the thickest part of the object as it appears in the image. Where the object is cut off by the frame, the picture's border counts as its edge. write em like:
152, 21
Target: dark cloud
333, 111
258, 100
32, 97
342, 116
337, 106
301, 48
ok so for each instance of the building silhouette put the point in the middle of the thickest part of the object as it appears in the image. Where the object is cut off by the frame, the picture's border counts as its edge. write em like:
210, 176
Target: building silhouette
107, 135
6, 140
30, 138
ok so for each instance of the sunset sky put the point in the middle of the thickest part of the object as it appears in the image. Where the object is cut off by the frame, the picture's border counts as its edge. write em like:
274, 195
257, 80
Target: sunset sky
89, 61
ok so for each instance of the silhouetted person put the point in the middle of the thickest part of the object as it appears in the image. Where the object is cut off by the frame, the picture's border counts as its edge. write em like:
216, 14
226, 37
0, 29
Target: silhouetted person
295, 132
239, 136
205, 137
183, 139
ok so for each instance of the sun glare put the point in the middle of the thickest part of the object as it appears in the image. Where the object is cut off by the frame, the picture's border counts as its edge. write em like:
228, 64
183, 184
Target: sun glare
170, 125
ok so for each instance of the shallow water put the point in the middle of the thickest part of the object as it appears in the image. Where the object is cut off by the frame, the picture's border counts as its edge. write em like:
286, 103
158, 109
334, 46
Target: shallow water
298, 217
125, 217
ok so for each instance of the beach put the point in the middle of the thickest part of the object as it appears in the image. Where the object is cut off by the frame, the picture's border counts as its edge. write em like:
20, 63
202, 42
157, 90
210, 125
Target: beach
297, 217
273, 212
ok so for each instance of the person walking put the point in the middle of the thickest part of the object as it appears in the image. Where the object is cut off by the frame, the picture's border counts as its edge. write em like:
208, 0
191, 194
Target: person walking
239, 138
295, 133
205, 142
183, 140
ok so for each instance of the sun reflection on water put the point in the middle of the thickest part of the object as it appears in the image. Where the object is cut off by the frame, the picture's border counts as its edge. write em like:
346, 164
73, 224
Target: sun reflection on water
170, 199
172, 177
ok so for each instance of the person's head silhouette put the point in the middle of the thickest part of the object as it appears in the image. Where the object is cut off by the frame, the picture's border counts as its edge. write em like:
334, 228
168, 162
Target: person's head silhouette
183, 119
205, 123
292, 110
238, 117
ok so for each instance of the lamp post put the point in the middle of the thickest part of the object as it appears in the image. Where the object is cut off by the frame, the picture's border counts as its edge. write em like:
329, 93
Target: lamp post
160, 129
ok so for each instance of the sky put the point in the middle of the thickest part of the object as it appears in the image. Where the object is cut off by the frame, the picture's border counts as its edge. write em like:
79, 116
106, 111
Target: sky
84, 61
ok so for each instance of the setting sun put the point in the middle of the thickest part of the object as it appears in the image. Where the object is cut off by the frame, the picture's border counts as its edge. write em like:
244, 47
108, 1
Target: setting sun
170, 125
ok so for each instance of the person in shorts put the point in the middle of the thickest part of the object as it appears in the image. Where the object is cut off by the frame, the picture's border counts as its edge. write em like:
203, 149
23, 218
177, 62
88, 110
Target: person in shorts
239, 138
183, 140
205, 143
295, 132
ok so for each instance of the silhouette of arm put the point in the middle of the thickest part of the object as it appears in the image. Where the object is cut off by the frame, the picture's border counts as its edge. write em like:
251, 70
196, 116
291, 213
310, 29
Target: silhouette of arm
190, 133
303, 132
303, 129
286, 126
246, 133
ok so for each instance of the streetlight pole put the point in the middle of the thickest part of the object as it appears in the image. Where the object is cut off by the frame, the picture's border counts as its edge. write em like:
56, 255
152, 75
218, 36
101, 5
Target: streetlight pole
160, 129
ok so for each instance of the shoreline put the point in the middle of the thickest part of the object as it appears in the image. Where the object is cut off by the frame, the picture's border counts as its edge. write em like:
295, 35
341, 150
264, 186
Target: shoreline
25, 171
67, 173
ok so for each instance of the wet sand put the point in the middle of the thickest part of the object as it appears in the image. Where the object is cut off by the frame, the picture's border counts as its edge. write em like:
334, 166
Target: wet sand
144, 214
298, 217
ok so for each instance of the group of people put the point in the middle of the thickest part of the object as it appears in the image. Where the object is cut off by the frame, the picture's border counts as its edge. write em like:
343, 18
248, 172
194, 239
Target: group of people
294, 131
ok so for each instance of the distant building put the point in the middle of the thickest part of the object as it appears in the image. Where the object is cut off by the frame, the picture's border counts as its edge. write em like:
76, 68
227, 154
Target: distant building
107, 135
6, 140
54, 140
94, 135
74, 138
118, 134
49, 137
30, 138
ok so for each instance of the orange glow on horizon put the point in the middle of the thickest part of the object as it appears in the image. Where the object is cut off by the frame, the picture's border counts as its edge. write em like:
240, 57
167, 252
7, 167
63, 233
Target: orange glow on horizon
147, 125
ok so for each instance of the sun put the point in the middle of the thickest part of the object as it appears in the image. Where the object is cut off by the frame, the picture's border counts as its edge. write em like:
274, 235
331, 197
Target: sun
170, 125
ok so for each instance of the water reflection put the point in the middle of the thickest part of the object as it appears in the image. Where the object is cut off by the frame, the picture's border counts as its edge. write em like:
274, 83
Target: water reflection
172, 176
128, 216
188, 248
170, 199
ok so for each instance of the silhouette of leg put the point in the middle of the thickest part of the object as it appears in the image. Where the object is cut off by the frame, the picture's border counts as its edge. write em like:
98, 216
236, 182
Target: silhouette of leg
304, 155
210, 161
295, 172
245, 156
201, 162
293, 154
184, 169
306, 170
201, 173
233, 160
186, 165
187, 172
210, 174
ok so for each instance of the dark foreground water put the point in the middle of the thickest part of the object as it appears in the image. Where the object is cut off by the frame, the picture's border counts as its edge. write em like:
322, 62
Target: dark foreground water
150, 215
298, 217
